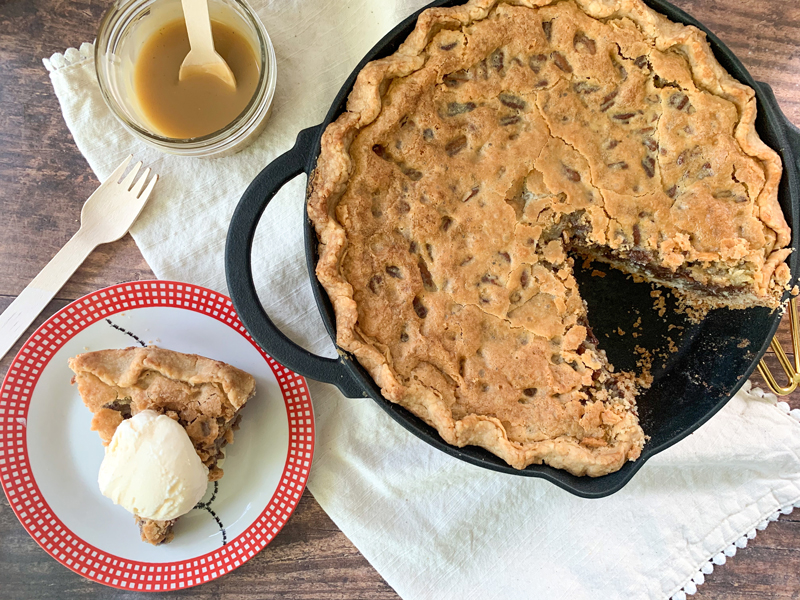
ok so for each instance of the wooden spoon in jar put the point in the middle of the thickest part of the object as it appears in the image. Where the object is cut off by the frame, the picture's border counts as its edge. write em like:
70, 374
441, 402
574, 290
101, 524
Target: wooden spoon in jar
202, 57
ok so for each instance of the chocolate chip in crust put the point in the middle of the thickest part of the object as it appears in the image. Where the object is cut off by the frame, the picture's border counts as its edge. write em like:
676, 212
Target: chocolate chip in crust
380, 151
455, 146
419, 308
375, 283
536, 62
581, 41
623, 117
678, 101
497, 60
412, 174
561, 62
623, 72
608, 101
584, 88
425, 274
512, 101
395, 272
571, 174
649, 166
547, 27
637, 235
458, 108
123, 405
471, 194
456, 78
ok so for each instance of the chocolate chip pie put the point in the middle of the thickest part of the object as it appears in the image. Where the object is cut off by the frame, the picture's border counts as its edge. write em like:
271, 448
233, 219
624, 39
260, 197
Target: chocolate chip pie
474, 163
205, 396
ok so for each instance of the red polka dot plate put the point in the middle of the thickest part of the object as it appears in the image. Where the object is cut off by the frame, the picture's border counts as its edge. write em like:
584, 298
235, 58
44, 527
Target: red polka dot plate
49, 458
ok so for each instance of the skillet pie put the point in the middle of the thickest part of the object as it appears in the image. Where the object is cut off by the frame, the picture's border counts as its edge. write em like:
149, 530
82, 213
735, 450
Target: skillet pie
471, 166
204, 396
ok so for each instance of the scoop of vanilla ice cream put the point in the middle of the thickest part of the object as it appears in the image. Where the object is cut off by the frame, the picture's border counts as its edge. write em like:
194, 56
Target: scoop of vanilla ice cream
152, 469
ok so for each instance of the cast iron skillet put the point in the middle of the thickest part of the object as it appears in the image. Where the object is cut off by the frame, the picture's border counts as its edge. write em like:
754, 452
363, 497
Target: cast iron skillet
713, 358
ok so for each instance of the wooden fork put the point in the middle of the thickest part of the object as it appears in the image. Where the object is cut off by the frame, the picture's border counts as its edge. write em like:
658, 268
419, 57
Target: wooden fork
105, 217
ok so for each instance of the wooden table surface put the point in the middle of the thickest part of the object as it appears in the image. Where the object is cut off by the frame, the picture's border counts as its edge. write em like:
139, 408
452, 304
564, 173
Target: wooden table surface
43, 182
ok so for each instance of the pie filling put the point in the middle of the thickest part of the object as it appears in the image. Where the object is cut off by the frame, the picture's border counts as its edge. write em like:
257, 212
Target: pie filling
498, 140
208, 434
203, 395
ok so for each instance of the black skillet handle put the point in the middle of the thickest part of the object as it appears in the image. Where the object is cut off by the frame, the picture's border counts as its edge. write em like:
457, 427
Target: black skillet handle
793, 135
239, 273
789, 143
790, 129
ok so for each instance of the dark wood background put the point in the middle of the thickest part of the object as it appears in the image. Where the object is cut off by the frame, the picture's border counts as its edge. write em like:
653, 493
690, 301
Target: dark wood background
43, 183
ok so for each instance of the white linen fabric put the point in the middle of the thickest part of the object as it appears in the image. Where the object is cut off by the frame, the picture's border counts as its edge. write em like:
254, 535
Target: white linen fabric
435, 527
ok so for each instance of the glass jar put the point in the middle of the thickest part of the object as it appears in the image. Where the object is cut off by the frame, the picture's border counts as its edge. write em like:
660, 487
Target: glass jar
128, 24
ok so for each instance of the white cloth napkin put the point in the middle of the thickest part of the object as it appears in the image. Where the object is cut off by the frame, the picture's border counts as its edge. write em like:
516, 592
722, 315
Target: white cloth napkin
435, 527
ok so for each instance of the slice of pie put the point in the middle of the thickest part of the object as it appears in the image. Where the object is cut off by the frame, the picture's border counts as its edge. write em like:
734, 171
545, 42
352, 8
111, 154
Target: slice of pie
205, 396
471, 166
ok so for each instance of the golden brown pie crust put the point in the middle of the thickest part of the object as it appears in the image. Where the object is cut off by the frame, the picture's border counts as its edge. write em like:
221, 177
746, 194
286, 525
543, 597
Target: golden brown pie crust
468, 163
202, 394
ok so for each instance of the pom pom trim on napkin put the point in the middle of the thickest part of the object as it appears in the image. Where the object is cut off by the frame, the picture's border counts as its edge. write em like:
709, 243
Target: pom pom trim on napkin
720, 558
70, 57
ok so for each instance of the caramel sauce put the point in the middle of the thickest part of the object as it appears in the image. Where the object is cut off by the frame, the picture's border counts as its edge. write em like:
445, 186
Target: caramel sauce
200, 104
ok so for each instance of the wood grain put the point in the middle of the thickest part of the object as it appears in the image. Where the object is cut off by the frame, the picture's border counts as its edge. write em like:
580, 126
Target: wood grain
43, 183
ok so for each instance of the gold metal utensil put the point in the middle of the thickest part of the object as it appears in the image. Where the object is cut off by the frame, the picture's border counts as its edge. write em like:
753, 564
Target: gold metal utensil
791, 369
